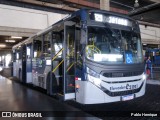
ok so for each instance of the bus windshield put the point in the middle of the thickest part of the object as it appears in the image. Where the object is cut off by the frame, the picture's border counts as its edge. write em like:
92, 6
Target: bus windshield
107, 45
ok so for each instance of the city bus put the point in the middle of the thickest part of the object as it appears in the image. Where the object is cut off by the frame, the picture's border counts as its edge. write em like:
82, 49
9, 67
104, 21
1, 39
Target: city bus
91, 56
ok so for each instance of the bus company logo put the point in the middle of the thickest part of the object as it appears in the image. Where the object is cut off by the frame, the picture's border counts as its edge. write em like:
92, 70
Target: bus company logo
131, 87
6, 114
125, 87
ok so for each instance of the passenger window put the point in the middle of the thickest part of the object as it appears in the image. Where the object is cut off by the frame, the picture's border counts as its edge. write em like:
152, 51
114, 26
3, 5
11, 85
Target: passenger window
18, 54
57, 44
47, 45
37, 47
29, 51
14, 56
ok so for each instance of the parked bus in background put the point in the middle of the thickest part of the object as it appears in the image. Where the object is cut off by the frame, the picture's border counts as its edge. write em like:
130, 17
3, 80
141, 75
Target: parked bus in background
91, 56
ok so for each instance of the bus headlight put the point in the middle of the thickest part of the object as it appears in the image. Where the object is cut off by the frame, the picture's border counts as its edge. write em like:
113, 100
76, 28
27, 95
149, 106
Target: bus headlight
144, 76
92, 73
93, 77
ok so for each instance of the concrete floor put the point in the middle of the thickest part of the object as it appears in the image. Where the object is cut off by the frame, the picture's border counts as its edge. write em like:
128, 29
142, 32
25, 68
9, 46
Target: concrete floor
17, 97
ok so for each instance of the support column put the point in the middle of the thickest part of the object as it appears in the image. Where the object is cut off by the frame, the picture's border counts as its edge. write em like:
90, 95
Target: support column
105, 5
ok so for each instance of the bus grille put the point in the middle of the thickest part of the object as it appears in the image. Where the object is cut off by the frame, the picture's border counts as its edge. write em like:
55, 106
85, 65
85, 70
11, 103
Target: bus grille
122, 74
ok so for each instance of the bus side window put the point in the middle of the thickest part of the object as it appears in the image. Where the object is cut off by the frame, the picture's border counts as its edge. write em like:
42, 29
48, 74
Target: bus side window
14, 55
18, 54
28, 51
37, 47
57, 44
47, 45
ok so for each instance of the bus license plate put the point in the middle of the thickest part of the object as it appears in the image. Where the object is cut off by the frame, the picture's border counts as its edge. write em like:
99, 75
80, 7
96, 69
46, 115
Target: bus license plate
127, 97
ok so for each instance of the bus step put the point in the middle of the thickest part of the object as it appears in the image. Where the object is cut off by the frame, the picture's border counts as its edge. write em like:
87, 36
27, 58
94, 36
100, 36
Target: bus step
59, 76
60, 96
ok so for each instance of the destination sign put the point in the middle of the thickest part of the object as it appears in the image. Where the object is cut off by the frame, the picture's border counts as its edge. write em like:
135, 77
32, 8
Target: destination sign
112, 19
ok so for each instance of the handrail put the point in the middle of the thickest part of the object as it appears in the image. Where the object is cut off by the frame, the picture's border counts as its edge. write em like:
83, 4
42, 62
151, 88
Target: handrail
70, 66
70, 53
57, 54
93, 46
57, 66
61, 61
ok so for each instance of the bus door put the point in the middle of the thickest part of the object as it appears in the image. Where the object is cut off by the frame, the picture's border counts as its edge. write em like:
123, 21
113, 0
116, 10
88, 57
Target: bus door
14, 62
56, 83
69, 60
23, 71
28, 64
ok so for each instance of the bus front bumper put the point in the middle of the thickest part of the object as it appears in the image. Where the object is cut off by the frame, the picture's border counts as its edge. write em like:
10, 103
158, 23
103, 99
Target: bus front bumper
89, 93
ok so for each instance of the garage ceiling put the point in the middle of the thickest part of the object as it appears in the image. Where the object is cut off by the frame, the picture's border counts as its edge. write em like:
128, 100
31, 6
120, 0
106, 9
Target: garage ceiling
9, 42
148, 10
148, 14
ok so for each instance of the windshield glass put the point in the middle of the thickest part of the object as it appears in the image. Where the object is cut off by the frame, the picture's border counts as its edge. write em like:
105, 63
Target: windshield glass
107, 45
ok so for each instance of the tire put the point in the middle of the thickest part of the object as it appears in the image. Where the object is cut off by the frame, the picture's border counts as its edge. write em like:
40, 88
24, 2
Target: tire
51, 85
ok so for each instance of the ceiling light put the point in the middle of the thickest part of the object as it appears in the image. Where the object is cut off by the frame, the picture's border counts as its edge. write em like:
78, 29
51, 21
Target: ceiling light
15, 37
11, 41
2, 45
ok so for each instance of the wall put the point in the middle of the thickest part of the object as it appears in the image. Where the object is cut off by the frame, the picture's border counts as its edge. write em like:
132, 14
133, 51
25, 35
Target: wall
17, 19
150, 35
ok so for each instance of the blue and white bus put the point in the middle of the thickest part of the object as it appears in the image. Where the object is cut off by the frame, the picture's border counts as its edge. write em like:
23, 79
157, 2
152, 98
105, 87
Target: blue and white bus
91, 56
